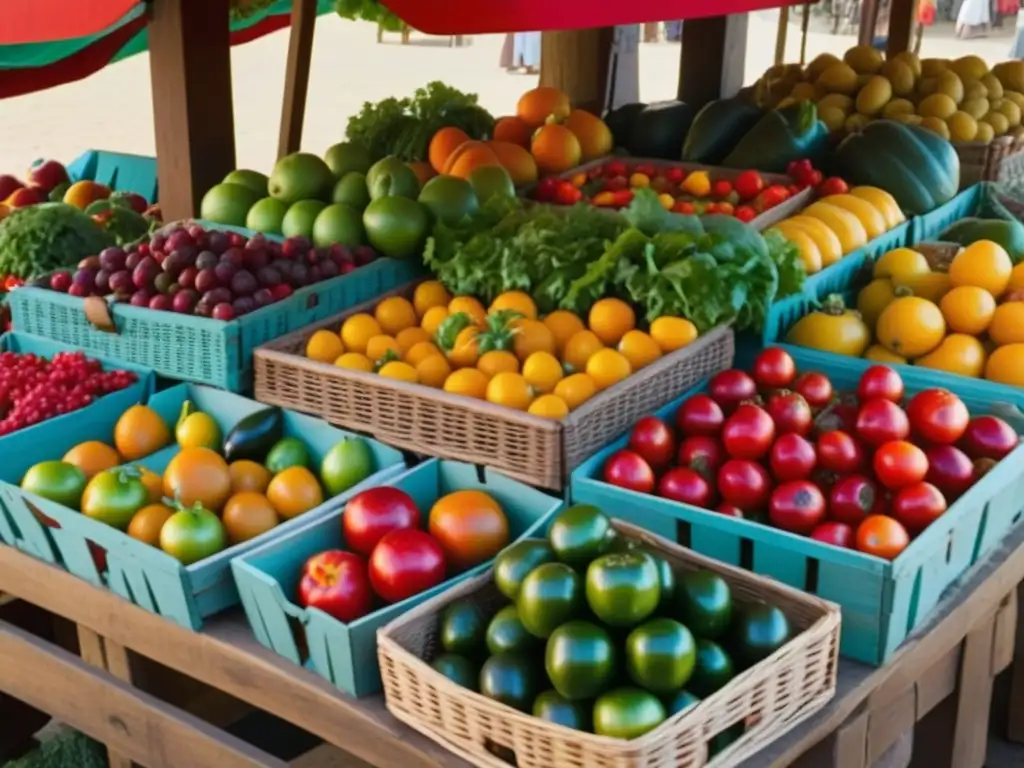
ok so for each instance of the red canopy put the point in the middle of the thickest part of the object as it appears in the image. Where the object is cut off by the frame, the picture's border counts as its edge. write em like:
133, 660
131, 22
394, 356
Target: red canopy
33, 21
473, 17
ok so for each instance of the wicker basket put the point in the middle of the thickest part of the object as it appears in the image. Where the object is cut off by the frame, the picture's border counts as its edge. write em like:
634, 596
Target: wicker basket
997, 160
939, 255
769, 698
532, 449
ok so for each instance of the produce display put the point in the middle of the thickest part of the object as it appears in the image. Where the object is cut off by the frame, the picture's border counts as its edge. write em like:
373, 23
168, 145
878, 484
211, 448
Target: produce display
966, 318
599, 633
216, 490
188, 269
508, 354
48, 181
867, 470
390, 557
34, 389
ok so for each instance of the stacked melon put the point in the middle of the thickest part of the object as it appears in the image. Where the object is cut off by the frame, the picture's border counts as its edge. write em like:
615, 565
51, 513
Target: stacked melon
961, 99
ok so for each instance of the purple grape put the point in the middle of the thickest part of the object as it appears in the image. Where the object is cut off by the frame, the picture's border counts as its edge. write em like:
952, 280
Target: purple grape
178, 260
185, 301
243, 305
268, 276
274, 248
263, 297
315, 274
161, 302
225, 271
233, 256
145, 273
112, 259
121, 282
205, 280
157, 242
61, 281
163, 282
223, 311
256, 258
133, 260
299, 275
329, 269
141, 298
257, 242
132, 247
218, 242
206, 260
348, 267
102, 282
187, 278
295, 247
178, 239
195, 230
243, 283
86, 277
203, 308
217, 296
364, 254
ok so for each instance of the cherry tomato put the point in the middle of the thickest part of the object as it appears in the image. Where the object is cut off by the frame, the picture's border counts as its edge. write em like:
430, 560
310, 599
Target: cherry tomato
898, 464
729, 510
337, 583
917, 506
748, 433
700, 415
721, 188
880, 381
797, 506
791, 413
744, 484
370, 515
685, 485
815, 388
988, 437
938, 416
704, 455
653, 439
745, 213
836, 534
748, 184
838, 452
950, 470
833, 185
854, 498
730, 388
880, 421
882, 536
627, 469
405, 563
792, 457
774, 369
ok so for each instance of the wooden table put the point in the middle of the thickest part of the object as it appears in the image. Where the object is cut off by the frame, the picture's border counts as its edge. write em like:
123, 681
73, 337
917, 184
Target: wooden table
970, 639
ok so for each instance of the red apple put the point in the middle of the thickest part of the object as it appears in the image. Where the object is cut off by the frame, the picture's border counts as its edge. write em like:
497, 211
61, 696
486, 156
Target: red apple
338, 583
652, 438
26, 196
48, 175
627, 469
372, 514
8, 185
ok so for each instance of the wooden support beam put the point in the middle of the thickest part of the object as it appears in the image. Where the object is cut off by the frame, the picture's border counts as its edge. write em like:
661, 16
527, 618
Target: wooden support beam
713, 58
868, 22
780, 35
576, 62
902, 18
193, 115
296, 77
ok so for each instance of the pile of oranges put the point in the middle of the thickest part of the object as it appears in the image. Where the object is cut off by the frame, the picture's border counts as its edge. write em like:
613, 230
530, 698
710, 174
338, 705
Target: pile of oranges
506, 354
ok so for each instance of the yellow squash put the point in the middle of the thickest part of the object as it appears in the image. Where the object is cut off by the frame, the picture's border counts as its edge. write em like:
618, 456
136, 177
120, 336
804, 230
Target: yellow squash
847, 227
829, 247
866, 213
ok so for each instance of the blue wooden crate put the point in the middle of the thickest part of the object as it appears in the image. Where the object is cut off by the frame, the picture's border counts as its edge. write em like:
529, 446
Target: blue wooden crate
119, 171
346, 654
930, 225
834, 279
144, 575
882, 601
199, 349
21, 449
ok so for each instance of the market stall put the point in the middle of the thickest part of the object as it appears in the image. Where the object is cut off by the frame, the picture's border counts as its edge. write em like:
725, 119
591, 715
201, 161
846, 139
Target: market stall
541, 440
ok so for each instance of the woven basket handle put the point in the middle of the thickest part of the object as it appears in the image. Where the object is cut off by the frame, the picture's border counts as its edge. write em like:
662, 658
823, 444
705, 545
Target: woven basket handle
97, 312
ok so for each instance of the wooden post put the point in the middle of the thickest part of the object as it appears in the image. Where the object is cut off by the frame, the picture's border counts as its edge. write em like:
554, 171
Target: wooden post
713, 54
296, 77
576, 62
781, 34
902, 17
868, 22
193, 115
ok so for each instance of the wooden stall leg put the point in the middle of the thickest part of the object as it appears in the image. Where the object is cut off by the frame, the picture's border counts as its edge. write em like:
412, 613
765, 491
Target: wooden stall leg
103, 654
576, 62
970, 737
713, 58
1015, 726
902, 16
296, 78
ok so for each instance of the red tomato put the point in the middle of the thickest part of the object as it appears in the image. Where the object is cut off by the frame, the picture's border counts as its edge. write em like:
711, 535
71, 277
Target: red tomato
748, 433
988, 437
372, 514
898, 464
653, 439
704, 455
882, 536
675, 175
881, 421
774, 369
841, 414
792, 457
797, 506
700, 415
721, 188
815, 388
938, 416
839, 453
616, 168
880, 381
470, 526
791, 413
833, 185
627, 469
982, 467
836, 534
685, 485
405, 563
748, 184
744, 484
950, 470
730, 388
745, 213
729, 510
854, 498
917, 506
338, 584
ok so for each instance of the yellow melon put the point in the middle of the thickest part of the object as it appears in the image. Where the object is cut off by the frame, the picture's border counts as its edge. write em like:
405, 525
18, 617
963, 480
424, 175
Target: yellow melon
950, 84
838, 78
900, 75
933, 67
884, 202
898, 107
829, 246
845, 225
962, 127
973, 67
864, 59
875, 94
936, 125
869, 216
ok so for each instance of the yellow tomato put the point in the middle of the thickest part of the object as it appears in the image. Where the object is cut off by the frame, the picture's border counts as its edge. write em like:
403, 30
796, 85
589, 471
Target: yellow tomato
532, 336
380, 346
1006, 365
1016, 278
432, 319
580, 348
357, 330
576, 389
610, 319
542, 371
400, 371
968, 309
901, 262
409, 338
468, 382
873, 298
672, 333
510, 390
880, 354
514, 301
563, 325
465, 351
550, 407
984, 264
354, 361
324, 346
498, 361
608, 367
1007, 325
433, 371
395, 314
420, 352
470, 306
639, 348
430, 294
833, 328
958, 353
911, 327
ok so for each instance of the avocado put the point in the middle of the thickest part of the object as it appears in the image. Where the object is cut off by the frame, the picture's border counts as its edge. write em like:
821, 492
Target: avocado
254, 436
463, 629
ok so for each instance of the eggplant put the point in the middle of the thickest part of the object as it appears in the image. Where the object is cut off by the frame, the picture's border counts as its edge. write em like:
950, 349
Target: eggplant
254, 436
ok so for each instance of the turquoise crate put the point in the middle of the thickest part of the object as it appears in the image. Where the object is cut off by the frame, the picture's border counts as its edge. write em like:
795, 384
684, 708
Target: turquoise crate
882, 601
144, 575
784, 312
930, 225
199, 349
123, 172
346, 654
21, 449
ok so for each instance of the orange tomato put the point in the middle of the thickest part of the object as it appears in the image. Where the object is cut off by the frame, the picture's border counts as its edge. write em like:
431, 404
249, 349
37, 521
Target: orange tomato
154, 484
470, 526
882, 536
247, 515
248, 476
466, 350
198, 474
639, 348
563, 325
294, 491
140, 432
610, 319
93, 457
532, 336
580, 348
147, 522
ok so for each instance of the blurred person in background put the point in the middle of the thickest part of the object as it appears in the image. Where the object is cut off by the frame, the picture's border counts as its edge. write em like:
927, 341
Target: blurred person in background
973, 20
521, 52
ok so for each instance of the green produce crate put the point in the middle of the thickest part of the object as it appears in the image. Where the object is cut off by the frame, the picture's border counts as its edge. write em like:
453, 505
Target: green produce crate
20, 450
346, 654
123, 172
141, 574
971, 202
882, 601
199, 349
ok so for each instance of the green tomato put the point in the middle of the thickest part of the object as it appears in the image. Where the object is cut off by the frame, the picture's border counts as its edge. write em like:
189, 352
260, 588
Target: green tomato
703, 602
458, 669
462, 630
660, 655
512, 679
623, 589
579, 534
192, 534
114, 496
679, 702
627, 713
580, 660
757, 632
506, 633
554, 708
712, 670
57, 481
516, 561
551, 595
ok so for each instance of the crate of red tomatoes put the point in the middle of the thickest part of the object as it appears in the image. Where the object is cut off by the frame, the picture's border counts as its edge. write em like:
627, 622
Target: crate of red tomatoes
867, 487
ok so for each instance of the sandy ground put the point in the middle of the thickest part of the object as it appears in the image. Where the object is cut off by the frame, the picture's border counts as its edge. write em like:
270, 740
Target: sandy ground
110, 110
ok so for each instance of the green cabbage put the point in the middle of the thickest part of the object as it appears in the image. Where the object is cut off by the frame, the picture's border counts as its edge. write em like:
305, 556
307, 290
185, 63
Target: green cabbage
41, 238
